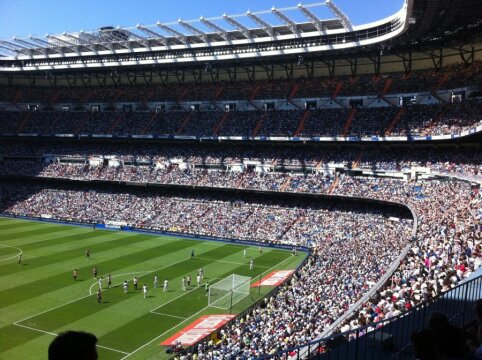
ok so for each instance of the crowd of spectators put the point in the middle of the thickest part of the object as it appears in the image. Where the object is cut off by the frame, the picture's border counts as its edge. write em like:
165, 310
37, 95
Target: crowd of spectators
267, 168
294, 225
447, 248
436, 119
346, 262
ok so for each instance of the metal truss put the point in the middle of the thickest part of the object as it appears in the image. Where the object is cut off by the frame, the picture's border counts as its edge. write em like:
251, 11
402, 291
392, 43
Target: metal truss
340, 15
264, 25
183, 32
290, 23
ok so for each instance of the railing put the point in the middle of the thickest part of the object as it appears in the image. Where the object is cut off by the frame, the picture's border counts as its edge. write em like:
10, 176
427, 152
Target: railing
390, 339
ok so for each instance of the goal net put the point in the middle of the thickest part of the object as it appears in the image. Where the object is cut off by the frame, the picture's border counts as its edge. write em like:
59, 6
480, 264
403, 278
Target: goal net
229, 291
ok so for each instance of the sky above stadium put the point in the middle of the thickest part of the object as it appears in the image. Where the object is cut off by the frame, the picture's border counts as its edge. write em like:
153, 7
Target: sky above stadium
40, 17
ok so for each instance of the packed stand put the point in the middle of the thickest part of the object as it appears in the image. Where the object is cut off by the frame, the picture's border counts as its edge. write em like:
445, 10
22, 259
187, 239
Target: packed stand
436, 119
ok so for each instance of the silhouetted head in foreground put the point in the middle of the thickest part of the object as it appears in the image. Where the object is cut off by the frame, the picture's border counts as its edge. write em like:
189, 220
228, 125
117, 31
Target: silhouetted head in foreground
73, 345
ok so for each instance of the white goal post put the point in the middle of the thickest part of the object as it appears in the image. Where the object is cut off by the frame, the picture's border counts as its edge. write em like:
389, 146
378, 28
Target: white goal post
228, 291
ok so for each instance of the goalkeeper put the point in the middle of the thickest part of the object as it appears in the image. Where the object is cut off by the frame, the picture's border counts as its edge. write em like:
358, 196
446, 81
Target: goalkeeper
206, 288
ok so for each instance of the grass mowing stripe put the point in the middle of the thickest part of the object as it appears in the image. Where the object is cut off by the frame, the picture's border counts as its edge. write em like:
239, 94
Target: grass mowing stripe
16, 225
32, 233
46, 285
52, 320
8, 252
38, 241
184, 307
54, 334
150, 325
121, 319
12, 336
77, 252
61, 238
168, 332
87, 306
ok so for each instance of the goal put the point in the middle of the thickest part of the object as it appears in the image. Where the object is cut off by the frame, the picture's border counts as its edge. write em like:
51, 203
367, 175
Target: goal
228, 291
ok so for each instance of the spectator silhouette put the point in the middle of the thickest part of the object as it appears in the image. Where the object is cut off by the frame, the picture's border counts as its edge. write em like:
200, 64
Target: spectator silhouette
449, 341
73, 345
422, 345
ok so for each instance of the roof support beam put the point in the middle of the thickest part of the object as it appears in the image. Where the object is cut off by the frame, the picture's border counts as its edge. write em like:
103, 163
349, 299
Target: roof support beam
268, 29
345, 21
9, 49
222, 32
199, 33
244, 30
30, 46
312, 17
156, 36
173, 32
45, 45
81, 42
285, 19
90, 41
64, 43
15, 47
136, 38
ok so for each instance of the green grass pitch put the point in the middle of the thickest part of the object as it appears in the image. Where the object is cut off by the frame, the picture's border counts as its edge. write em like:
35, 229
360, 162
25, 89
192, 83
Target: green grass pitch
39, 297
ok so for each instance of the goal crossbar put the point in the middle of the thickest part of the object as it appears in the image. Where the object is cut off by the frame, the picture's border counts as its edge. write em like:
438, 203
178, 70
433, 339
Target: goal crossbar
228, 291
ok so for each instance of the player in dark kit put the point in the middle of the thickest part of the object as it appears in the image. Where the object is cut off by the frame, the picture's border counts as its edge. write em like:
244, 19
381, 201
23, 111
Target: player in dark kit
74, 274
109, 281
99, 296
87, 254
94, 272
192, 254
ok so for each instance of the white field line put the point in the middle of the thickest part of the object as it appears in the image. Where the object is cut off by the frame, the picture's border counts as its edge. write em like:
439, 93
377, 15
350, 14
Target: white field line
170, 301
14, 256
174, 316
137, 272
165, 332
108, 348
55, 307
232, 262
53, 334
83, 297
34, 329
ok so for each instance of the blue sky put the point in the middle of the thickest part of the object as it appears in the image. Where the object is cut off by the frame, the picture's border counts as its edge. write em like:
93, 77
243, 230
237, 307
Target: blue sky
39, 17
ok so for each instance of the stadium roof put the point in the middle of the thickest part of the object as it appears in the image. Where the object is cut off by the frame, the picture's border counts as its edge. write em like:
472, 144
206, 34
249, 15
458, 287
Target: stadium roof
273, 34
229, 28
443, 19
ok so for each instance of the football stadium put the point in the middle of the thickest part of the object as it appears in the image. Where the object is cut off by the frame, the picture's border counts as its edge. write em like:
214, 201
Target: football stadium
273, 184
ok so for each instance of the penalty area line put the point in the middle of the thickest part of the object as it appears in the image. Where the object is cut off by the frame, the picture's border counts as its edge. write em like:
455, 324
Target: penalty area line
54, 334
164, 333
193, 315
174, 316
